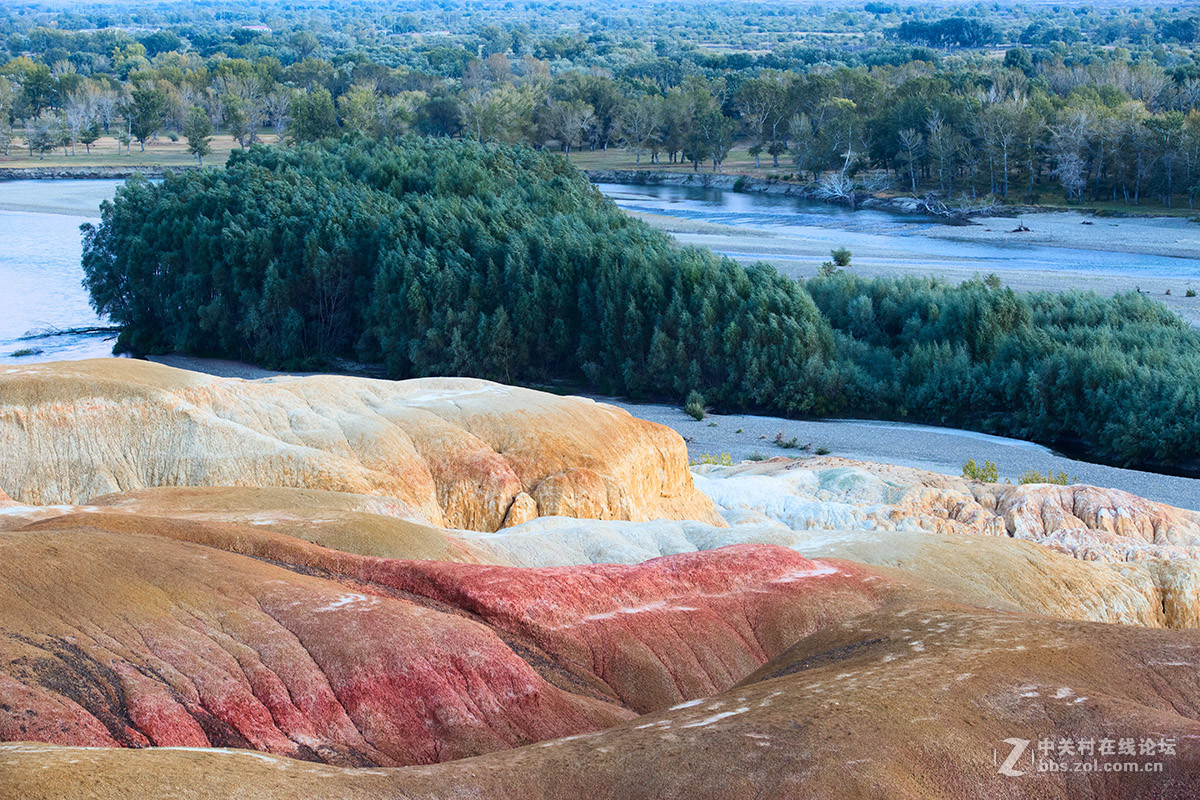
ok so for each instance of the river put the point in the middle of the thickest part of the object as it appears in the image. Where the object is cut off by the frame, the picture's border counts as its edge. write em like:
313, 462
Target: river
804, 230
41, 290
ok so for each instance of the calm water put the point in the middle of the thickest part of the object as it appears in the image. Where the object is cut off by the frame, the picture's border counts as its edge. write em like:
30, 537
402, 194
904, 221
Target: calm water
40, 245
40, 277
879, 230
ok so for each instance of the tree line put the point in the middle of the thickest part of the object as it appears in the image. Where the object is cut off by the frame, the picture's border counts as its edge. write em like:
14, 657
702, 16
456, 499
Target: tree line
1086, 105
449, 257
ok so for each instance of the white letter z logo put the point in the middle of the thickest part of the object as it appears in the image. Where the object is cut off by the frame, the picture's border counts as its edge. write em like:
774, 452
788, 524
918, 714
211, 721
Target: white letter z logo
1018, 750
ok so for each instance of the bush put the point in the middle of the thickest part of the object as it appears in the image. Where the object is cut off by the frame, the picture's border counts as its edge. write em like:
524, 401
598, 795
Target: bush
841, 256
787, 444
1033, 476
756, 456
1190, 293
988, 473
723, 460
694, 405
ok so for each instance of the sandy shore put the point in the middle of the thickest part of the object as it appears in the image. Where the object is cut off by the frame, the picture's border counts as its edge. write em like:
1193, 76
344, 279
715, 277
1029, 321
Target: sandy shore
1173, 237
943, 450
799, 254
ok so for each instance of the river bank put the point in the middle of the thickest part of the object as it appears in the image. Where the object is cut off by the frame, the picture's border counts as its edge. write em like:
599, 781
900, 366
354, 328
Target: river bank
800, 254
86, 173
773, 187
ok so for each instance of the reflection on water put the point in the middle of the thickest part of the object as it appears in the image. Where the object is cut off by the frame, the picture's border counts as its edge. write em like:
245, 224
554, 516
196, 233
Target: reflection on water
736, 209
899, 240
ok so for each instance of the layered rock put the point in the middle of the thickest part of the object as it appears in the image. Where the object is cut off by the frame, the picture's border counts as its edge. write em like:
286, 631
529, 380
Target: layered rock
132, 640
996, 572
359, 524
838, 494
666, 630
912, 702
458, 453
383, 575
121, 629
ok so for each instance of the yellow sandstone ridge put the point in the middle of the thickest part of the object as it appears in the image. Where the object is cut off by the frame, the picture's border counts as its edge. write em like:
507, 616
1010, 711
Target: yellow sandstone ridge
454, 452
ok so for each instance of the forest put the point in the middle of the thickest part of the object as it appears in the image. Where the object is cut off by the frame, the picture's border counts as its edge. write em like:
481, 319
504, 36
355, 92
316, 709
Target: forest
971, 104
436, 256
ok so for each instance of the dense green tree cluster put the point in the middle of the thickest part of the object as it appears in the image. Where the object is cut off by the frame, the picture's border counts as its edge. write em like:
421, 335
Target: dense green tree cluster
1117, 378
443, 257
435, 256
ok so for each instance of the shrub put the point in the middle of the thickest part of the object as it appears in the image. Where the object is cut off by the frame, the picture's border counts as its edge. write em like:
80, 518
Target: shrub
722, 460
1190, 293
988, 473
756, 456
787, 444
841, 256
1033, 476
694, 405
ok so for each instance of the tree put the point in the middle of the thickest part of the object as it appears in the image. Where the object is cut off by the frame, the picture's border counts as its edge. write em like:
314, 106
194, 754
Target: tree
8, 97
1068, 143
757, 101
440, 115
311, 116
912, 149
89, 135
711, 138
805, 146
1000, 126
245, 105
106, 104
305, 43
638, 123
568, 120
198, 130
1019, 58
147, 108
277, 104
505, 114
45, 132
1167, 132
943, 146
80, 110
359, 109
